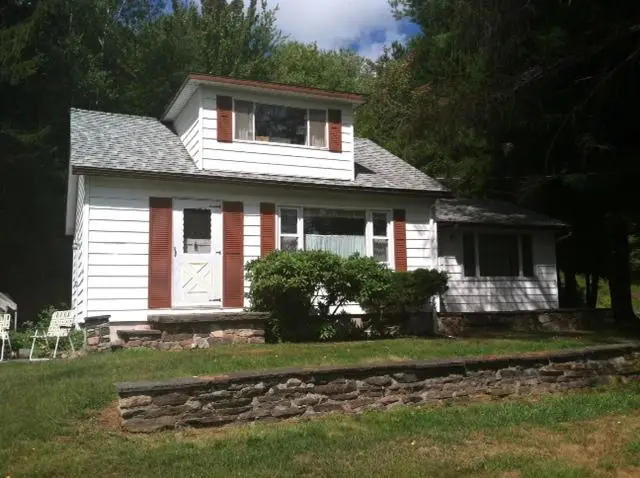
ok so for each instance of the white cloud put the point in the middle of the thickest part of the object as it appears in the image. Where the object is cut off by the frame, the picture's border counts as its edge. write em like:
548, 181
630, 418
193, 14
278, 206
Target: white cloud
339, 23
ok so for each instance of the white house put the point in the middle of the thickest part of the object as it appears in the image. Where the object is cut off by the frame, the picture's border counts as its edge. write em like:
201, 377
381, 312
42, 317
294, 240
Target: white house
166, 213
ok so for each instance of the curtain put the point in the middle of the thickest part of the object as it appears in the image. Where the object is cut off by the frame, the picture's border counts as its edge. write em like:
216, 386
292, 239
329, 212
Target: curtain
244, 120
318, 128
344, 246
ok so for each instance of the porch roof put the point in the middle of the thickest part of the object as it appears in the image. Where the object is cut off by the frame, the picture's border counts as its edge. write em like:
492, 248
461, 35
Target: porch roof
487, 212
140, 146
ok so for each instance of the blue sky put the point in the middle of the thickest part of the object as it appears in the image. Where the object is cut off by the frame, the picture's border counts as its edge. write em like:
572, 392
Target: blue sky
365, 25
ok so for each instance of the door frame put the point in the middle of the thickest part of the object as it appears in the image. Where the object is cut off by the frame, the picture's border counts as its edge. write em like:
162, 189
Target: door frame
215, 206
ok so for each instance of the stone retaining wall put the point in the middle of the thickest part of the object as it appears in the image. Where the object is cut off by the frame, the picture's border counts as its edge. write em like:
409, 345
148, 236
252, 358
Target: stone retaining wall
281, 394
560, 320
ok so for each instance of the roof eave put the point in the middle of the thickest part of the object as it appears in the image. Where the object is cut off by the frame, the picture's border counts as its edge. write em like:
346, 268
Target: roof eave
133, 174
291, 90
451, 223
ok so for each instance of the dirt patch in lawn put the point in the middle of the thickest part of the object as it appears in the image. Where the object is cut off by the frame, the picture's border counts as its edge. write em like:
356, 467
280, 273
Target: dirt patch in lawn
109, 418
600, 446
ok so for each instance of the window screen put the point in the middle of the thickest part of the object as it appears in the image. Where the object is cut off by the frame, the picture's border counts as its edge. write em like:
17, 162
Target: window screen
197, 231
527, 255
469, 254
498, 254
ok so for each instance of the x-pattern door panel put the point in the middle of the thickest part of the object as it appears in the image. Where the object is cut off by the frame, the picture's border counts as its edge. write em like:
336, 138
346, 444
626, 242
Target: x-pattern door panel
197, 253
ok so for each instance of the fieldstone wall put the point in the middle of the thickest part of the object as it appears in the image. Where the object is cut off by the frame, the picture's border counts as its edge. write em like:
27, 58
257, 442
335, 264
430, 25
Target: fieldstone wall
97, 332
561, 320
281, 394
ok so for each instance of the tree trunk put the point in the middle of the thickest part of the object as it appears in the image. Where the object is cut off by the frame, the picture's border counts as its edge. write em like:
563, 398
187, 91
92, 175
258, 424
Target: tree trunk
570, 288
620, 274
592, 290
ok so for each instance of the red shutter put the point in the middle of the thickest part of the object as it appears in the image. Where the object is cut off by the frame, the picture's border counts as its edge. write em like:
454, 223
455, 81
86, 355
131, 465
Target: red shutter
400, 239
267, 228
160, 231
335, 131
233, 255
225, 118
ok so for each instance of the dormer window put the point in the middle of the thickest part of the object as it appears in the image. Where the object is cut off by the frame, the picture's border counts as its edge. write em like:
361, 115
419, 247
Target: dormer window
279, 124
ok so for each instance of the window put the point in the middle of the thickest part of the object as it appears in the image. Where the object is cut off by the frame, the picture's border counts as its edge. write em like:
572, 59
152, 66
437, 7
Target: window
280, 124
497, 255
344, 232
339, 231
380, 222
289, 229
469, 254
197, 231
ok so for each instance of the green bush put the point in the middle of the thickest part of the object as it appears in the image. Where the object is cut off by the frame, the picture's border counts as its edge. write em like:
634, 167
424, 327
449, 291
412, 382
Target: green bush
404, 294
305, 291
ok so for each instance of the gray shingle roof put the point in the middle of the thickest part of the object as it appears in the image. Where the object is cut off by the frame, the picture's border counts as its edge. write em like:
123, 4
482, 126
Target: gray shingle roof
118, 143
490, 212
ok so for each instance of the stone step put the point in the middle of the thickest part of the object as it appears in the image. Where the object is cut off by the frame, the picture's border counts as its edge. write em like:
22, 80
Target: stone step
129, 335
217, 317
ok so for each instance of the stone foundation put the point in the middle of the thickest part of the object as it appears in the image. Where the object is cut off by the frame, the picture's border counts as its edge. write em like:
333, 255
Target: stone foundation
280, 394
561, 320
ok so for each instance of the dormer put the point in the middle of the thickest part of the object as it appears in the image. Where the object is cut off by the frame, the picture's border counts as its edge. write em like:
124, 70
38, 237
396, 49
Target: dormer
243, 126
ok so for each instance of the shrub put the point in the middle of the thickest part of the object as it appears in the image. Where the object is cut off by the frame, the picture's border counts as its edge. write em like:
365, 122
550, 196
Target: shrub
305, 291
401, 296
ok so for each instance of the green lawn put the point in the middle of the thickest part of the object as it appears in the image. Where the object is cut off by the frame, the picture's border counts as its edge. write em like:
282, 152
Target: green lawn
57, 419
604, 296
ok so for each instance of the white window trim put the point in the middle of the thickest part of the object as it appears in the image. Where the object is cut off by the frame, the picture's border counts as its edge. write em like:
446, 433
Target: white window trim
476, 246
368, 228
299, 146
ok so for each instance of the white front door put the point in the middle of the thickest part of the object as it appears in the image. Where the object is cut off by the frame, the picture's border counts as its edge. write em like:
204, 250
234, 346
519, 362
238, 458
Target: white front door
197, 253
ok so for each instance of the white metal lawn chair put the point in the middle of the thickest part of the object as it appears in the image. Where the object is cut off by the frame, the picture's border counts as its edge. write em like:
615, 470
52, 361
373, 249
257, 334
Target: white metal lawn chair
59, 327
5, 326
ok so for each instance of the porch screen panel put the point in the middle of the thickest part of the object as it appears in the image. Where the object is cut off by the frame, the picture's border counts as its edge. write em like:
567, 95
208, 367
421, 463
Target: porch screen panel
498, 255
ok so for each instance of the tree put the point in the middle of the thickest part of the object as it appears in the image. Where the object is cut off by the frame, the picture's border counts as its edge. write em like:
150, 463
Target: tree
126, 56
306, 64
525, 102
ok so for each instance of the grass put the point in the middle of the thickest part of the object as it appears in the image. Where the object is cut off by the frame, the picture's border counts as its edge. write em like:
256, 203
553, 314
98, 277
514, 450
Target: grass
56, 419
604, 295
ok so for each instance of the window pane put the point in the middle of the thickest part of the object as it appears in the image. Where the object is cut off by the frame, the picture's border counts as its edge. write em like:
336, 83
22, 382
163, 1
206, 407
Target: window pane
318, 128
527, 255
338, 231
280, 124
381, 250
288, 221
379, 224
197, 231
498, 255
288, 243
469, 254
244, 120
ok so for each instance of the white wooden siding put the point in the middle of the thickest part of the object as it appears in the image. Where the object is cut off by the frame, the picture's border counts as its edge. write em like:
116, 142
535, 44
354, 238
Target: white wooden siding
188, 126
483, 294
118, 226
271, 158
79, 279
251, 238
